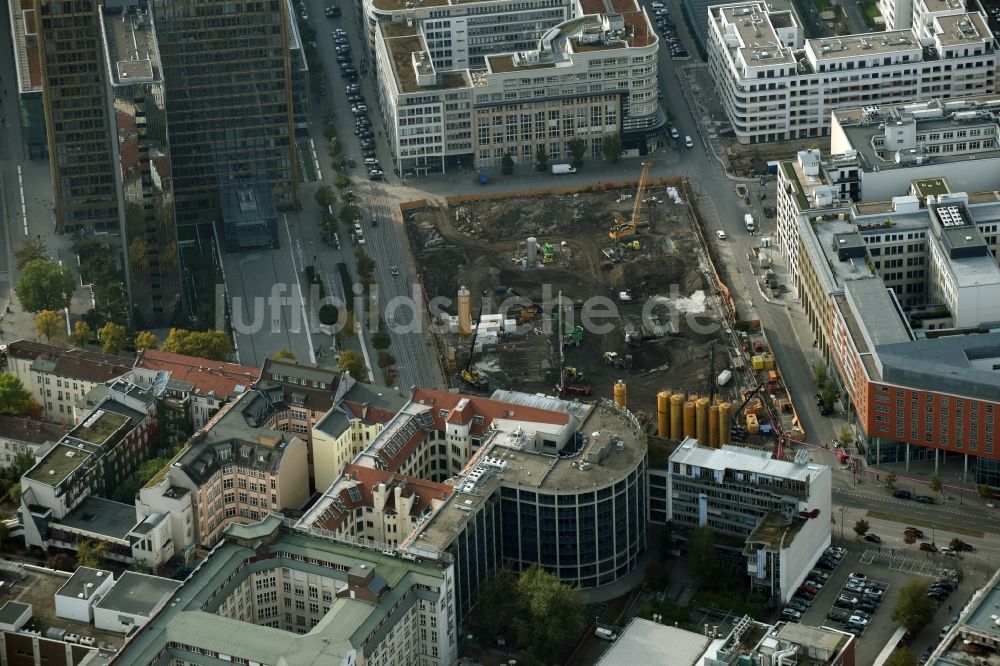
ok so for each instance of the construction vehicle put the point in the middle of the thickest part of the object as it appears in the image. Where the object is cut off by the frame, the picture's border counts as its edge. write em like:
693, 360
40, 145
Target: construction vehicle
472, 378
617, 360
622, 229
572, 383
548, 253
737, 430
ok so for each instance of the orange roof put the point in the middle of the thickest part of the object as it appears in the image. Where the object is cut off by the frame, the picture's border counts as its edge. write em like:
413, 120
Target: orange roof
367, 478
367, 412
593, 6
205, 375
490, 410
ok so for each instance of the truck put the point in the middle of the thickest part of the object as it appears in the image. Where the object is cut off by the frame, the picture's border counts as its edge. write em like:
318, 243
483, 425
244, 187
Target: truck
748, 222
559, 169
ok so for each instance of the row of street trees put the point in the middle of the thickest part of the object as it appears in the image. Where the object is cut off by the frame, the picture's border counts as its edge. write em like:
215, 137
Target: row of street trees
611, 147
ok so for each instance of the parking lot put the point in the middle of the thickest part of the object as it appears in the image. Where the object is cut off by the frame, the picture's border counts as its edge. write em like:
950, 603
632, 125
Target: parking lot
888, 572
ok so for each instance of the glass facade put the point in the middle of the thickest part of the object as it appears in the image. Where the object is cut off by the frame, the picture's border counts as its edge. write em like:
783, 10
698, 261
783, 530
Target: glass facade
137, 105
73, 79
230, 104
586, 538
477, 555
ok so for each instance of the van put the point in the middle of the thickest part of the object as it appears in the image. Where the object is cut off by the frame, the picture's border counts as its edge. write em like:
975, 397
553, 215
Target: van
370, 161
657, 5
748, 222
605, 634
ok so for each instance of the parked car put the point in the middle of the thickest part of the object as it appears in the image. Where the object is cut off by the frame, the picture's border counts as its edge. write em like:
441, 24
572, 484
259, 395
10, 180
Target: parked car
797, 606
845, 601
689, 142
903, 494
805, 588
826, 565
925, 499
928, 547
791, 614
867, 605
819, 574
949, 552
837, 616
721, 234
857, 575
873, 538
858, 621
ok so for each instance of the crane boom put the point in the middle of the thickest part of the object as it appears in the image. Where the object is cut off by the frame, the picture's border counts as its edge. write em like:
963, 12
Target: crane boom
638, 193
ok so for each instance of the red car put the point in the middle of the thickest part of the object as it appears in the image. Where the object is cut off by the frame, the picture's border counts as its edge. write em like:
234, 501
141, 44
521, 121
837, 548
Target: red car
808, 589
914, 531
929, 547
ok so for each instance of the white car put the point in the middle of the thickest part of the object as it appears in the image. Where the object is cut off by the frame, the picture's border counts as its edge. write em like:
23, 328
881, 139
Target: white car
857, 621
688, 142
721, 234
394, 270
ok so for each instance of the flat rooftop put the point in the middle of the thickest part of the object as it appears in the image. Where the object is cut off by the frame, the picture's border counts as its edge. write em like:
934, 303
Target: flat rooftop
83, 581
99, 426
60, 462
743, 459
137, 594
774, 531
955, 364
751, 23
959, 29
401, 42
130, 45
26, 55
877, 311
645, 643
868, 44
102, 516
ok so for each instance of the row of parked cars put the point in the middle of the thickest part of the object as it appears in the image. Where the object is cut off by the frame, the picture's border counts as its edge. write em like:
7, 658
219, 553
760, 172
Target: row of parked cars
907, 495
669, 32
362, 123
806, 594
857, 601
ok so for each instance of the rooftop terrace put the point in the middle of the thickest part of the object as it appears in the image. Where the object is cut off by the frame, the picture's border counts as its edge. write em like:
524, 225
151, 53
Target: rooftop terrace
98, 427
401, 42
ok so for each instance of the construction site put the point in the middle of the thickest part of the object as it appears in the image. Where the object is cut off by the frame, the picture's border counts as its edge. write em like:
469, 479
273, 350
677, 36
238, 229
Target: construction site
606, 292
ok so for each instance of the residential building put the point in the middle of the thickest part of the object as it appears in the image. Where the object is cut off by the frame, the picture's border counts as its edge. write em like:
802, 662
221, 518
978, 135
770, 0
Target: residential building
233, 120
59, 377
74, 84
778, 512
235, 470
266, 593
63, 497
136, 100
776, 85
196, 386
19, 436
520, 478
446, 100
28, 66
890, 264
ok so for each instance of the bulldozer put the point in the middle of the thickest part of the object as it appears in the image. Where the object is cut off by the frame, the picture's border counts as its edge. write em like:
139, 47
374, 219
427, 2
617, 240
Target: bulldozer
622, 229
617, 360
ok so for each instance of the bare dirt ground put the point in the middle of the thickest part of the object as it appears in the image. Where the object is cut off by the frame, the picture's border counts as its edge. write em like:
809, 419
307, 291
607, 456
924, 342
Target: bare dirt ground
481, 246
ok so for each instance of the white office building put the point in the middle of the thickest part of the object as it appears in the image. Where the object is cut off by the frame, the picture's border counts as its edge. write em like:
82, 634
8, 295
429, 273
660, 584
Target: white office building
515, 90
776, 85
780, 508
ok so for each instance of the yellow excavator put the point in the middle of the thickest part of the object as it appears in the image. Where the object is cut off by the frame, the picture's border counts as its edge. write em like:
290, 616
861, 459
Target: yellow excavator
473, 379
622, 229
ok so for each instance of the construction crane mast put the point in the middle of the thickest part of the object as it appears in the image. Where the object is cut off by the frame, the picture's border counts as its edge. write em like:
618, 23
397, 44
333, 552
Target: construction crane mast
625, 228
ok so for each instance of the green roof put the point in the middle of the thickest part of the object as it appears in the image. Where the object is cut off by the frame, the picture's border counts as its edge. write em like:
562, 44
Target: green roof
60, 462
98, 427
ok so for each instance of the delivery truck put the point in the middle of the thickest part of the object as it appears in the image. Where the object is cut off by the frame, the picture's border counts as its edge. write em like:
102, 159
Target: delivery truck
559, 169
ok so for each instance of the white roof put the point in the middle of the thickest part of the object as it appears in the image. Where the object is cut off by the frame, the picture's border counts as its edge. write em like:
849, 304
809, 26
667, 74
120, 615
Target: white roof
645, 643
743, 459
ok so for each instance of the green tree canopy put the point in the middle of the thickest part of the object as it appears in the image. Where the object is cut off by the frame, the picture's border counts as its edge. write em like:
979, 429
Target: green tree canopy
550, 616
351, 361
146, 340
507, 164
283, 354
212, 345
33, 248
902, 657
14, 398
542, 157
91, 554
861, 527
82, 333
913, 608
611, 146
577, 150
44, 285
890, 480
935, 484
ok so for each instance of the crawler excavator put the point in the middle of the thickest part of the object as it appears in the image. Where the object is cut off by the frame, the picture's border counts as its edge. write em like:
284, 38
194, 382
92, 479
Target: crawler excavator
622, 229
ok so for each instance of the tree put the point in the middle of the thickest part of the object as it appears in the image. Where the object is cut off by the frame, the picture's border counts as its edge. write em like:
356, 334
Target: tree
902, 657
381, 340
146, 340
611, 146
47, 324
60, 562
385, 359
828, 394
704, 564
542, 598
283, 354
213, 345
349, 214
861, 527
507, 164
913, 608
957, 545
112, 337
935, 484
82, 333
325, 196
14, 398
845, 436
366, 265
985, 491
577, 150
44, 285
342, 182
542, 158
909, 538
819, 375
34, 248
890, 480
496, 607
350, 361
91, 554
